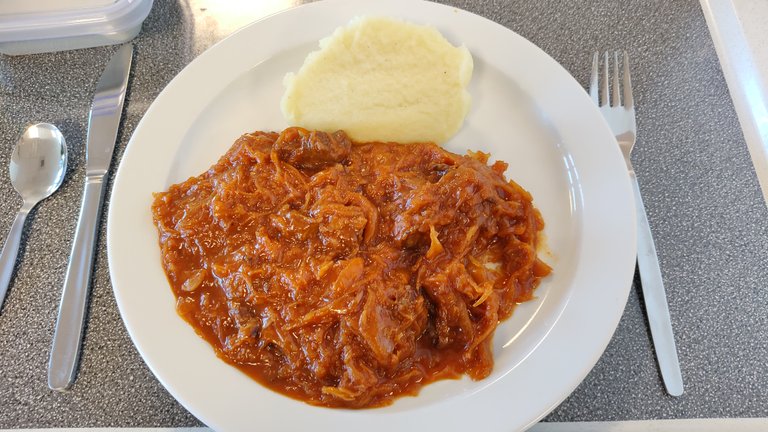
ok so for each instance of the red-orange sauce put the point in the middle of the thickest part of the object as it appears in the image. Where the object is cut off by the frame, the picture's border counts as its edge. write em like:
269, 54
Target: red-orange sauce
348, 274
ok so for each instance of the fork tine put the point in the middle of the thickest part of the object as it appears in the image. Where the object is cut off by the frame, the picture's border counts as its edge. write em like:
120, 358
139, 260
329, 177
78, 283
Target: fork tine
616, 92
606, 97
593, 79
628, 100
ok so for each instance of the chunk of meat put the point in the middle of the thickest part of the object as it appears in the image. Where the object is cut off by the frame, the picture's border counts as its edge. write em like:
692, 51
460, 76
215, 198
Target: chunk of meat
312, 150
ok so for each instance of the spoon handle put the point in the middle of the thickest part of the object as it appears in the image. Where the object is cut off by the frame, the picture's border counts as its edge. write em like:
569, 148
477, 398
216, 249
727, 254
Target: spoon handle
67, 338
11, 250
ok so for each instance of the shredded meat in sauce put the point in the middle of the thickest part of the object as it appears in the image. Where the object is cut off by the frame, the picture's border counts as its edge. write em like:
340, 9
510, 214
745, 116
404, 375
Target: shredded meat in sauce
348, 274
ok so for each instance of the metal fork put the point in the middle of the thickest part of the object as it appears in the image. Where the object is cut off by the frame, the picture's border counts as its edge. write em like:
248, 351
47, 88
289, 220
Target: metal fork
620, 115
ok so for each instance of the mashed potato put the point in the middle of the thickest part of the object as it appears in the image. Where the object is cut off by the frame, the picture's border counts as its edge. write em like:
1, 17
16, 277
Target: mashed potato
382, 79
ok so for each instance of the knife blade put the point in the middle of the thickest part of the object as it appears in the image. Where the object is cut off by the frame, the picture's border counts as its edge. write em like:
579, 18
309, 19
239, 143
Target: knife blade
103, 123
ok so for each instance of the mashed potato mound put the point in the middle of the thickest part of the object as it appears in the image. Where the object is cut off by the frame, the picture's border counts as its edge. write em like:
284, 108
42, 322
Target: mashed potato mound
382, 79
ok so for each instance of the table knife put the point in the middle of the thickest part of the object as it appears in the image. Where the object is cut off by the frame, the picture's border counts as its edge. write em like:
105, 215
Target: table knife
103, 123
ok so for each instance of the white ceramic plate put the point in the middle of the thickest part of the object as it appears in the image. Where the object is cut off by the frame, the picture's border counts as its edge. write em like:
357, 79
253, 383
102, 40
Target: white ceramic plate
526, 110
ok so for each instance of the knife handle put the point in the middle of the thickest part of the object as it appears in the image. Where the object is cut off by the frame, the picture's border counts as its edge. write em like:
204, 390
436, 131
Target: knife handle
67, 339
656, 301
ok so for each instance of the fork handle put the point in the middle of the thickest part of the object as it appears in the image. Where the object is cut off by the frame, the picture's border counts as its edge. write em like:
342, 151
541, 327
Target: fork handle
656, 300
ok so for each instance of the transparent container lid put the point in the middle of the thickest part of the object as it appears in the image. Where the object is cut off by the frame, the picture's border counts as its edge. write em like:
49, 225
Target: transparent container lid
22, 21
14, 7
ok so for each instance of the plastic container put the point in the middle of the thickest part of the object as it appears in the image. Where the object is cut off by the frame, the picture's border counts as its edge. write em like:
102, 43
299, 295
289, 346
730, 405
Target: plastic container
36, 26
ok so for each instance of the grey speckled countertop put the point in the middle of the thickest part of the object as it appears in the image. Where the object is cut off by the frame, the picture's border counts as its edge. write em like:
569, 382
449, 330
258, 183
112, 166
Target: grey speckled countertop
702, 196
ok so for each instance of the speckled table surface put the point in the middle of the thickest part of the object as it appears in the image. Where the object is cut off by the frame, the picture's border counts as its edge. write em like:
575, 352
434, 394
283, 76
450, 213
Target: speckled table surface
700, 189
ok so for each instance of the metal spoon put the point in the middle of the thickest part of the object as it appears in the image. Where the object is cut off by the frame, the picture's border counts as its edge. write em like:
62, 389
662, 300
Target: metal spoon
38, 164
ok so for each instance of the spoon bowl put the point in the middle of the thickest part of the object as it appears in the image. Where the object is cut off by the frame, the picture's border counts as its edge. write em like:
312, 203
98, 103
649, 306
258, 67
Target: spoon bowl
38, 162
37, 168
